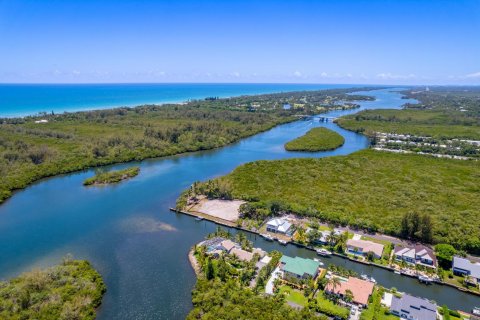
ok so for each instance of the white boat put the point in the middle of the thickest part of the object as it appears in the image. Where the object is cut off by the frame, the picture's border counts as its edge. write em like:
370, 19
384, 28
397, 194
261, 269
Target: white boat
267, 237
372, 279
323, 252
397, 272
199, 218
283, 242
364, 277
476, 311
425, 279
319, 262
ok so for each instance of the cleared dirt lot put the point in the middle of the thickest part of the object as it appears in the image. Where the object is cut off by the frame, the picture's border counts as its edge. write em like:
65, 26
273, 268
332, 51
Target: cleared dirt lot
224, 209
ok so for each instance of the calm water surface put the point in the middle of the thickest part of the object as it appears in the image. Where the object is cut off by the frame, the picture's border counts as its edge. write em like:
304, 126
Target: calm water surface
138, 245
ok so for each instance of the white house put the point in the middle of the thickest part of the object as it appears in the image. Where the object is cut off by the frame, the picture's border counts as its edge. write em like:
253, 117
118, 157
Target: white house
418, 254
279, 226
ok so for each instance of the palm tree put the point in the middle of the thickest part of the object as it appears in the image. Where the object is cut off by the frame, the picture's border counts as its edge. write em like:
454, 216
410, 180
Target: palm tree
334, 282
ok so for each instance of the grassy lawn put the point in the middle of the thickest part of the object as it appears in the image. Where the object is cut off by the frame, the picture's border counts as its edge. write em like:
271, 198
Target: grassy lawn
293, 295
316, 139
370, 189
328, 307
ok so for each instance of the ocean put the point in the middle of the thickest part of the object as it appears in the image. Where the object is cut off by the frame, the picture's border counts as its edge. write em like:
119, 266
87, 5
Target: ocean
18, 100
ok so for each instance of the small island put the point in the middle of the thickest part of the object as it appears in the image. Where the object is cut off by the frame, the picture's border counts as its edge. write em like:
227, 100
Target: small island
70, 290
112, 176
317, 139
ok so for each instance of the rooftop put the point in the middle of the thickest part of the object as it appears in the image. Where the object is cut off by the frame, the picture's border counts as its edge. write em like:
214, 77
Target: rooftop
366, 246
465, 264
299, 266
361, 289
414, 308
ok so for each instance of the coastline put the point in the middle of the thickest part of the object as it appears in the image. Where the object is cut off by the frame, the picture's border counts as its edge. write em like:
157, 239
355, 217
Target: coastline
194, 262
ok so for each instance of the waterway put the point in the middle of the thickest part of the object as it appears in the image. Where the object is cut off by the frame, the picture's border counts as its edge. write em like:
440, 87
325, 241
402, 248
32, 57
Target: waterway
139, 246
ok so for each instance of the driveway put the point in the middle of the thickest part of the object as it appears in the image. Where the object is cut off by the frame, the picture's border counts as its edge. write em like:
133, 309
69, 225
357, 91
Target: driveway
275, 274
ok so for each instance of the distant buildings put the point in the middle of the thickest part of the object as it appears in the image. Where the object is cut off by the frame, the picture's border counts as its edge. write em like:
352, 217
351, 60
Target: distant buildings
279, 225
418, 254
362, 247
413, 308
360, 289
299, 268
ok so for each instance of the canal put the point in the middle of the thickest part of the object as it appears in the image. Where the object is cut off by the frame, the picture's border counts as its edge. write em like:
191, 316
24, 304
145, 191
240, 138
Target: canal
139, 246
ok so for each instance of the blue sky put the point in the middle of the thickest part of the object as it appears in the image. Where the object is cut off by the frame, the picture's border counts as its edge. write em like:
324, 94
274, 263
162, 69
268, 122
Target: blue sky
398, 42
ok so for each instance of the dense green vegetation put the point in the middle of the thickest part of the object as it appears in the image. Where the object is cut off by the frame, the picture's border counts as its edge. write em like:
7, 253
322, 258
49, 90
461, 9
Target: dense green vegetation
71, 290
316, 139
112, 176
75, 141
460, 99
369, 189
434, 123
375, 310
228, 300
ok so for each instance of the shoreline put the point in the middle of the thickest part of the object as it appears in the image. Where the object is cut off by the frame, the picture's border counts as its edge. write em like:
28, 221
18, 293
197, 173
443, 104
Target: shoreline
230, 224
181, 101
88, 167
194, 263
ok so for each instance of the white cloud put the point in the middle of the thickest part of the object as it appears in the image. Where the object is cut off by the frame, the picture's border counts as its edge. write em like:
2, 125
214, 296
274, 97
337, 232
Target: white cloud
390, 76
297, 74
473, 75
323, 74
235, 74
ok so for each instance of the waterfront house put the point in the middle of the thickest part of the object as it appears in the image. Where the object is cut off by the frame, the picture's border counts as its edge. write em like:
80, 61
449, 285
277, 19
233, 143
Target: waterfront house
299, 268
362, 247
418, 254
279, 225
324, 235
413, 308
242, 254
464, 267
360, 289
227, 245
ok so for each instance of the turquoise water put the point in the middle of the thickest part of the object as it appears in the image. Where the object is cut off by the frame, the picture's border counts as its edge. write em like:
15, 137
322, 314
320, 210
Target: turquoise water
139, 246
28, 99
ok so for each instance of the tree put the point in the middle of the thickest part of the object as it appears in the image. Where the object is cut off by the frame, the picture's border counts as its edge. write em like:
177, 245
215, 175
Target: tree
445, 253
209, 270
333, 282
348, 297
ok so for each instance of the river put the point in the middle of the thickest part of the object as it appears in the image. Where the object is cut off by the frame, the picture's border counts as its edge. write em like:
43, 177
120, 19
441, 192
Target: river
139, 246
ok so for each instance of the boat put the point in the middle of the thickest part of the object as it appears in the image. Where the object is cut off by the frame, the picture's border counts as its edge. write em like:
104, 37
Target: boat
425, 279
372, 279
319, 262
199, 218
283, 242
397, 272
476, 311
323, 252
267, 237
364, 277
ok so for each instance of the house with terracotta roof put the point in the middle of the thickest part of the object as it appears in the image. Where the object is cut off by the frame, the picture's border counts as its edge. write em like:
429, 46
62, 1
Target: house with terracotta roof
360, 289
362, 247
418, 254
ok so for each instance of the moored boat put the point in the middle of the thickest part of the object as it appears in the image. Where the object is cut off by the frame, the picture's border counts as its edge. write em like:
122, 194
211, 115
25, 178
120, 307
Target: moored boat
282, 242
425, 279
199, 218
267, 237
323, 252
476, 311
